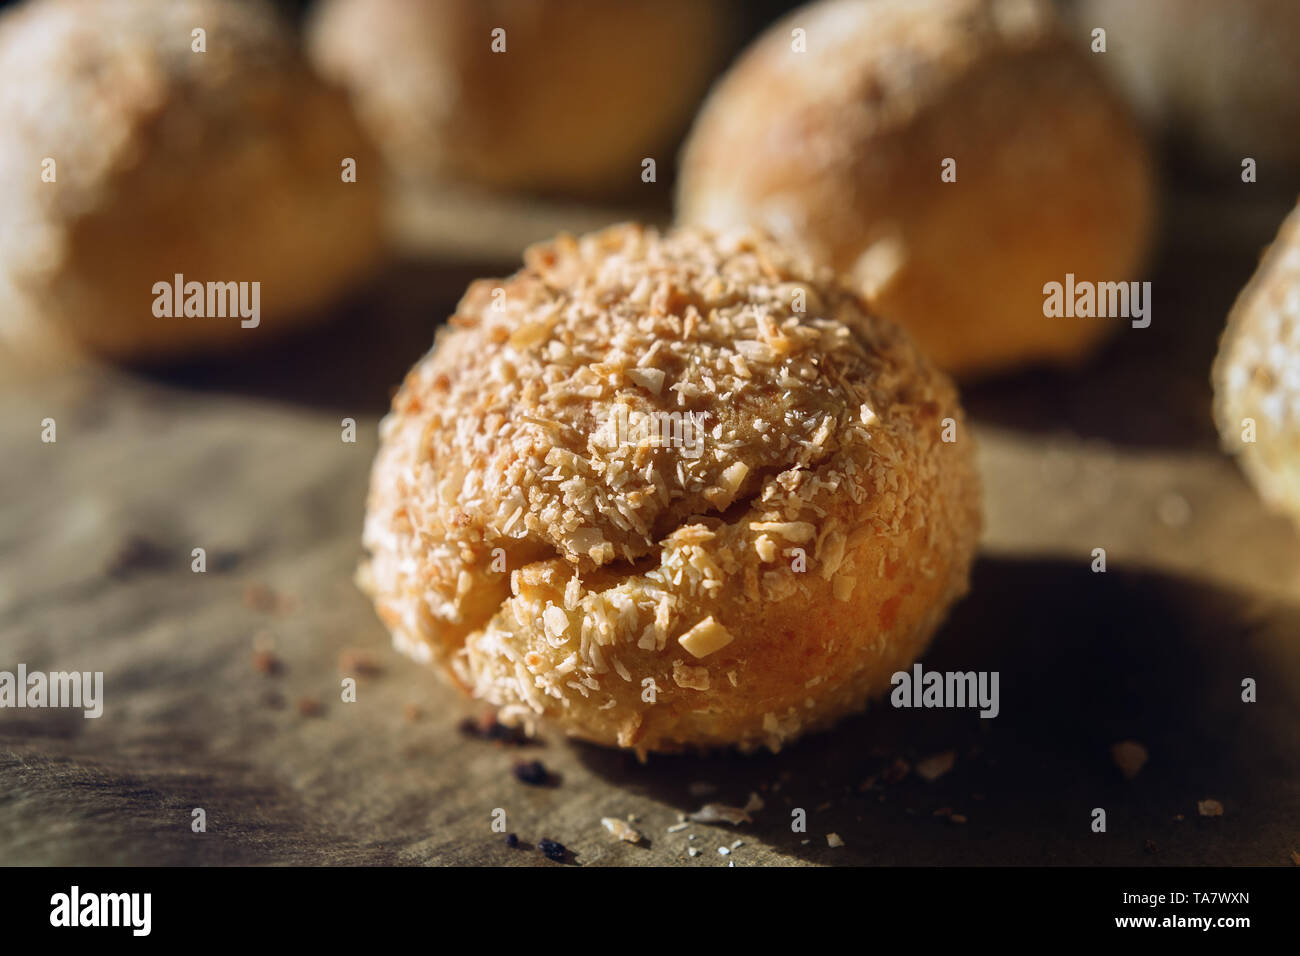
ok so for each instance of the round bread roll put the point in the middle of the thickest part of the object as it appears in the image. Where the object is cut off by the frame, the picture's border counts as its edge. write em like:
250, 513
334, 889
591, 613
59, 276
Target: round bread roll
1221, 77
583, 91
1257, 375
130, 158
670, 492
841, 148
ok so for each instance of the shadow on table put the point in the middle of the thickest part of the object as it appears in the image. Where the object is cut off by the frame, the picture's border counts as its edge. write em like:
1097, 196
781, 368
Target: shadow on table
1085, 660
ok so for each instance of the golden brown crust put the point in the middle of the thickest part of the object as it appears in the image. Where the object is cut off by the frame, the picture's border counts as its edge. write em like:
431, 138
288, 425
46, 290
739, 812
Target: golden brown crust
628, 559
222, 165
839, 149
584, 90
1257, 374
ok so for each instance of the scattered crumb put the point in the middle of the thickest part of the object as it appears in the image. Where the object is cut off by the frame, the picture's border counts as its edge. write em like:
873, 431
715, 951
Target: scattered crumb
833, 840
1174, 510
411, 713
260, 598
693, 851
1179, 818
1209, 808
266, 600
958, 818
737, 844
137, 553
943, 812
488, 727
360, 663
678, 827
265, 662
896, 771
1129, 757
533, 773
309, 706
624, 831
932, 768
724, 851
721, 813
552, 850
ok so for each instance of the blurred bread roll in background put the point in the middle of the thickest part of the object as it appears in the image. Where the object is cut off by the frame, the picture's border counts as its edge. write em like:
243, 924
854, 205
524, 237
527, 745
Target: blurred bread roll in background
1257, 375
1222, 77
840, 149
129, 157
582, 92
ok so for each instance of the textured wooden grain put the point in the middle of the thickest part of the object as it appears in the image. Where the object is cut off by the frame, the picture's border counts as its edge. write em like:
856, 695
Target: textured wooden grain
242, 456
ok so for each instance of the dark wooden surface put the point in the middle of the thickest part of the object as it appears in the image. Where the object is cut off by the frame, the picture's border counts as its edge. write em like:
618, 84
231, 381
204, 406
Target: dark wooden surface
242, 455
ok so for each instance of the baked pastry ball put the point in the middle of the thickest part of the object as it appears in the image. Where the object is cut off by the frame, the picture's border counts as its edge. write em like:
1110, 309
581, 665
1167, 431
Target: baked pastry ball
130, 158
583, 91
1221, 77
1257, 375
842, 148
668, 492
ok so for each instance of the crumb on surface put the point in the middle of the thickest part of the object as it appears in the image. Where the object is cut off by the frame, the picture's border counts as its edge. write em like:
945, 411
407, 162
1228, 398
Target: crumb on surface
1129, 756
266, 600
362, 663
266, 662
137, 553
552, 850
932, 768
621, 829
488, 727
533, 773
897, 771
721, 813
